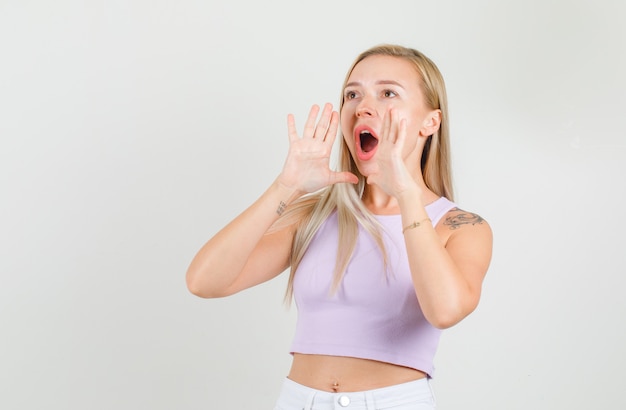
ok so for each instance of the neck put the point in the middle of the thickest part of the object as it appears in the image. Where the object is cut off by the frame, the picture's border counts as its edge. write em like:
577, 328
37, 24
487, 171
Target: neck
381, 203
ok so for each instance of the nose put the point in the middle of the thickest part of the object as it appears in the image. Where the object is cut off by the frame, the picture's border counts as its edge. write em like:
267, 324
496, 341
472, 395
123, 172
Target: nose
365, 109
364, 112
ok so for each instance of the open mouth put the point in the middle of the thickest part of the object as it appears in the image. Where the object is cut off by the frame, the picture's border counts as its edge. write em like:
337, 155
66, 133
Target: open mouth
367, 141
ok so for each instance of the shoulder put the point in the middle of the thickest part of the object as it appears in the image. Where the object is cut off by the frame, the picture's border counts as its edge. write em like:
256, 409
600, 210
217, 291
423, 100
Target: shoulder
457, 218
462, 225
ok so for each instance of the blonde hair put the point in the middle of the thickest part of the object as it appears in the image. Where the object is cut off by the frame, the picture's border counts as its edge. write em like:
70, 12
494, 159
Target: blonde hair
311, 211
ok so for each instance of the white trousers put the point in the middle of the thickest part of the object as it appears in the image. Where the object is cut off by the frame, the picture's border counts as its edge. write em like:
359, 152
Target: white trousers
416, 395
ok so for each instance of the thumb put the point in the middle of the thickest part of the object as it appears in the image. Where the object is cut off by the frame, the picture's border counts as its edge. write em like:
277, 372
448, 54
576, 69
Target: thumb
371, 180
340, 177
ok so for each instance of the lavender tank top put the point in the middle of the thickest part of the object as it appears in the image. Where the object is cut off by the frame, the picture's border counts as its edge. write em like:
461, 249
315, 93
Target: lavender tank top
373, 315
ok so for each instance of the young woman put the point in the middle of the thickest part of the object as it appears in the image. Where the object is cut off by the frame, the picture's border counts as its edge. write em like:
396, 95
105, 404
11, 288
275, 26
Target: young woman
381, 258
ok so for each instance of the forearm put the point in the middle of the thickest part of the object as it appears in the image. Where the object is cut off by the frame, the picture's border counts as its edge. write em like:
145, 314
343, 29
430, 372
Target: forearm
221, 260
244, 253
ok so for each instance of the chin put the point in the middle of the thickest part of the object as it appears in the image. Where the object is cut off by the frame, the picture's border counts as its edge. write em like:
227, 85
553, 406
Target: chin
366, 169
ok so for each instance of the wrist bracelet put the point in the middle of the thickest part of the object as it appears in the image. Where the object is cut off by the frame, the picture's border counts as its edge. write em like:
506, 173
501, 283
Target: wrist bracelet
415, 224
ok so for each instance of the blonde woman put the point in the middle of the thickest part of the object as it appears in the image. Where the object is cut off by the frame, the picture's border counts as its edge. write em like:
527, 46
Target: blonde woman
381, 258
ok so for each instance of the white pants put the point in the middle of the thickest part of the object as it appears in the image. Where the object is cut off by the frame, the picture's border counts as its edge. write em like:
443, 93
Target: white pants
416, 395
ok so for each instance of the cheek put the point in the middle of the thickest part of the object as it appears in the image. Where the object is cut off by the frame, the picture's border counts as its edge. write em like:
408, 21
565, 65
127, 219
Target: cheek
347, 139
413, 126
346, 131
412, 137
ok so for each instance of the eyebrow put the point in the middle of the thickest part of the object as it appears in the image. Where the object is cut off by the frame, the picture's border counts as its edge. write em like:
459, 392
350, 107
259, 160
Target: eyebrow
381, 82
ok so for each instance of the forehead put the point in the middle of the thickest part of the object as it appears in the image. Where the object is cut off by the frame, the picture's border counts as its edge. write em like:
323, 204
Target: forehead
381, 68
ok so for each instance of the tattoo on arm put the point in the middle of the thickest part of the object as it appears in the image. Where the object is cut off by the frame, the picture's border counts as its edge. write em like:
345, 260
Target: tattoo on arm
281, 208
462, 218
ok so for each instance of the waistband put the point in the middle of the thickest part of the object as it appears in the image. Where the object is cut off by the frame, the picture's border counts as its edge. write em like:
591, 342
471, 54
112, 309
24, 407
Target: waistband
296, 396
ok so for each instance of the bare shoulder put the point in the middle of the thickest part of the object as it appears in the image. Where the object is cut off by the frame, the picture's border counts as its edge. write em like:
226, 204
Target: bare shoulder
457, 218
469, 241
459, 224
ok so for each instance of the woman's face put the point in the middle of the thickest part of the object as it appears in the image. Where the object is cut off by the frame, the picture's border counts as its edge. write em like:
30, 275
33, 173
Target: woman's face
377, 84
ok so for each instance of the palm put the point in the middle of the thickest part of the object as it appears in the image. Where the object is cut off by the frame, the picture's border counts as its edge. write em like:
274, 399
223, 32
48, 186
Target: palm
307, 166
392, 174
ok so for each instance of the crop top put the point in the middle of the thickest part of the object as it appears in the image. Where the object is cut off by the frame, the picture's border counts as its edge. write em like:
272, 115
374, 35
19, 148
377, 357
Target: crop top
373, 315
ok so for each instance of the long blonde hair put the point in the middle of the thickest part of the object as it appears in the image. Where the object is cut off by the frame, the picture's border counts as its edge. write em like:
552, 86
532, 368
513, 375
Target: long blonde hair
312, 210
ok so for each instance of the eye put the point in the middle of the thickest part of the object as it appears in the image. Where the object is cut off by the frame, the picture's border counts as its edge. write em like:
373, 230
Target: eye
389, 93
350, 95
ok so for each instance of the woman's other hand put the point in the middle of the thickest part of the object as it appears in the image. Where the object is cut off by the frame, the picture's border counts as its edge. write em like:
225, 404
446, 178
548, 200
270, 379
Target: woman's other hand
392, 175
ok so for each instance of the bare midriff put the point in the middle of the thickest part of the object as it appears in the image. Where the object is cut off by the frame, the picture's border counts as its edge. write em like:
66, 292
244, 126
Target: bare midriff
348, 374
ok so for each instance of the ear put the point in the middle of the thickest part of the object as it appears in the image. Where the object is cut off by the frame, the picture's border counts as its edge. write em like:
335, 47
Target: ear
431, 123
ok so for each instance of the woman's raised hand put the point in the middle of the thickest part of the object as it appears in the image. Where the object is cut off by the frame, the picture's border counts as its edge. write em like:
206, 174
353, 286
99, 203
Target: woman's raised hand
392, 174
307, 166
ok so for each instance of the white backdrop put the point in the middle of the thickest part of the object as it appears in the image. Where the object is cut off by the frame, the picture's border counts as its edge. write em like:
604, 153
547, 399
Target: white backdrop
131, 131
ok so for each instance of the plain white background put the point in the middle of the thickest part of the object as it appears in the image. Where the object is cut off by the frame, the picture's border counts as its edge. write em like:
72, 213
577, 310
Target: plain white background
131, 131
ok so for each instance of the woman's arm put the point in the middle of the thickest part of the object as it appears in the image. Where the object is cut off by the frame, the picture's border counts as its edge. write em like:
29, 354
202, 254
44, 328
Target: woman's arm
448, 263
243, 253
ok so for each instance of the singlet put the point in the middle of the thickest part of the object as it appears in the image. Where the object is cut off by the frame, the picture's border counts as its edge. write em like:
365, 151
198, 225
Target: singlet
374, 314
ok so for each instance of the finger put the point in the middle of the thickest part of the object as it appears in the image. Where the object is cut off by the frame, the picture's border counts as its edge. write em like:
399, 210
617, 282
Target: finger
393, 126
331, 133
291, 128
386, 129
342, 177
323, 123
309, 126
401, 133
